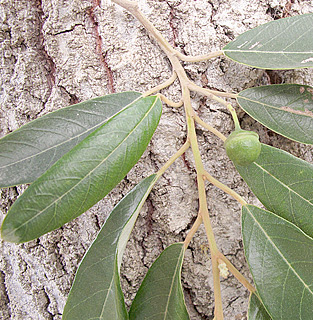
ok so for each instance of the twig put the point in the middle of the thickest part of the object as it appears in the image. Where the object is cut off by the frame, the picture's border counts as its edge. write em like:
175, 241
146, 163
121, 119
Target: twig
192, 231
208, 127
161, 86
226, 189
170, 102
237, 274
210, 93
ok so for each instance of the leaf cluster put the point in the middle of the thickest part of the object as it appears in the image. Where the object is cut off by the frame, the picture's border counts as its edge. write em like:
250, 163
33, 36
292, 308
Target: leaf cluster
75, 156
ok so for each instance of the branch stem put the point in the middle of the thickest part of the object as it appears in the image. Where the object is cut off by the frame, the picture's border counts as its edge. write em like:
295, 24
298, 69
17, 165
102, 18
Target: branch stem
203, 207
132, 7
187, 85
218, 308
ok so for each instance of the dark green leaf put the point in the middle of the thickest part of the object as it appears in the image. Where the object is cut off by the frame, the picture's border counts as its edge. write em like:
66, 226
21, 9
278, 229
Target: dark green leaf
256, 309
280, 44
160, 295
286, 109
280, 257
96, 292
28, 152
85, 174
283, 183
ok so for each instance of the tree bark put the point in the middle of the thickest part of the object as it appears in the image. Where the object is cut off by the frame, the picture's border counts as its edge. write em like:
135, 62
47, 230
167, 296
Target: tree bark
57, 53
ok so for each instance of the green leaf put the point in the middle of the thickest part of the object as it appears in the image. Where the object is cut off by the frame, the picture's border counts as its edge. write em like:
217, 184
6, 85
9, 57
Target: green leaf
280, 44
96, 292
85, 174
256, 309
28, 152
283, 183
280, 257
160, 295
284, 108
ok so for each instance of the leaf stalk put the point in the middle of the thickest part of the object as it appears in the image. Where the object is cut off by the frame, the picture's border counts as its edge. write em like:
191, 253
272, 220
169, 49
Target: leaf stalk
198, 58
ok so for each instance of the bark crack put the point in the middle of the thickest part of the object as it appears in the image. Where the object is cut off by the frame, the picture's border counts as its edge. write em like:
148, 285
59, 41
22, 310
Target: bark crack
172, 23
102, 56
5, 310
73, 97
48, 302
51, 68
68, 30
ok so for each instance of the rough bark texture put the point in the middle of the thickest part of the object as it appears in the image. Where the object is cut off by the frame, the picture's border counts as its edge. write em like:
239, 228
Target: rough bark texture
56, 53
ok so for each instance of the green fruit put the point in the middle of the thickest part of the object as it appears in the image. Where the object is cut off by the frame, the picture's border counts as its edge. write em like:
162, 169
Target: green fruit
243, 147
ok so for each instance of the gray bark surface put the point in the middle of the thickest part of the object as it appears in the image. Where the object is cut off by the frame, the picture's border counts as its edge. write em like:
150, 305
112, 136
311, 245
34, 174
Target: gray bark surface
57, 53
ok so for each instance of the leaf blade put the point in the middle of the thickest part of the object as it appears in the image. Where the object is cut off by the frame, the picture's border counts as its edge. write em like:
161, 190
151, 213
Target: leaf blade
280, 44
280, 257
84, 175
283, 183
29, 151
99, 269
286, 109
164, 291
256, 310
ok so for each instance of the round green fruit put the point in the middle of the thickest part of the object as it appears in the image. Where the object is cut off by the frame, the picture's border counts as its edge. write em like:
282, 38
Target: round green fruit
243, 147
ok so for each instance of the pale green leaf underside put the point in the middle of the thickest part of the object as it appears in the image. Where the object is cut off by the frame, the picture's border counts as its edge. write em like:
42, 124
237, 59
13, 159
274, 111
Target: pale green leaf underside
256, 310
28, 152
85, 174
281, 44
283, 183
96, 291
280, 257
286, 109
160, 296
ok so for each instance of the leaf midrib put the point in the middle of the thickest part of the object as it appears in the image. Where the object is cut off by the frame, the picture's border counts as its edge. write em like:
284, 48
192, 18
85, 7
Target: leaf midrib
172, 284
266, 51
107, 295
272, 107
